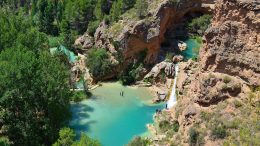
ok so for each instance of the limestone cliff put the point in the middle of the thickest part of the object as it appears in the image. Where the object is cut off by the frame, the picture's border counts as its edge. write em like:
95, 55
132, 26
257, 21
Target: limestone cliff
135, 35
219, 96
232, 44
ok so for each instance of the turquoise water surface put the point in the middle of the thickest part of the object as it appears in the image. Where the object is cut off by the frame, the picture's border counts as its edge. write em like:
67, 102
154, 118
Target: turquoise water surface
191, 52
71, 56
113, 119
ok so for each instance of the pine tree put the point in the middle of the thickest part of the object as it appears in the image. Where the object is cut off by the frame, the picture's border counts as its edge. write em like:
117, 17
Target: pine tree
141, 8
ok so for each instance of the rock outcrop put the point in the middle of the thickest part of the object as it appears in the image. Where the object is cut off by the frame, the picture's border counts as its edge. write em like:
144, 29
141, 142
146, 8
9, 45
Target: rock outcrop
163, 67
232, 44
134, 35
218, 97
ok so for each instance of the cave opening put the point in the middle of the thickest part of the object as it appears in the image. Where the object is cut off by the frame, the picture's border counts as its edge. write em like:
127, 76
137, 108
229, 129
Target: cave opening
188, 31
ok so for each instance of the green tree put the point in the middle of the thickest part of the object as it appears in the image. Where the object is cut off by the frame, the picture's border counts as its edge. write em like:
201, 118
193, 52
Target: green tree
128, 4
201, 23
116, 10
66, 137
98, 62
34, 96
98, 10
141, 8
46, 16
139, 141
18, 31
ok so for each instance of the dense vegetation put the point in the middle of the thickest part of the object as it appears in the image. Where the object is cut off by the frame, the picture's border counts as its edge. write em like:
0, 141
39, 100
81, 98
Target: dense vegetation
98, 62
69, 18
200, 24
34, 85
67, 137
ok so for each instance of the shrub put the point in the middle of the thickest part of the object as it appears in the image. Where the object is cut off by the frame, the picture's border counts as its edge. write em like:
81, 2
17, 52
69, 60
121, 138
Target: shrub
81, 95
193, 136
92, 26
98, 62
139, 141
141, 7
200, 23
226, 79
169, 56
164, 125
219, 132
4, 141
175, 126
237, 103
205, 116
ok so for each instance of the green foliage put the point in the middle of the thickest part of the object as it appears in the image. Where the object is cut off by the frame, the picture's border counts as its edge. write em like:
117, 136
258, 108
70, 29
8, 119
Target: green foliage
67, 137
68, 36
116, 10
128, 4
92, 26
131, 74
17, 31
141, 7
99, 13
98, 62
201, 23
54, 41
175, 126
197, 38
133, 71
206, 116
34, 95
193, 136
139, 141
80, 95
237, 103
169, 56
169, 127
226, 79
219, 132
4, 141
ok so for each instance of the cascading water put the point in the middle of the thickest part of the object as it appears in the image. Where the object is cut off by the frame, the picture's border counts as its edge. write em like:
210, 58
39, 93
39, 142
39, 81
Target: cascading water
172, 100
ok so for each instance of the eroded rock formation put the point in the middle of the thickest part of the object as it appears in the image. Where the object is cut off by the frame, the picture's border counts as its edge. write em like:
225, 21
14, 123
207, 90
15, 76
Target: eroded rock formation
136, 35
220, 89
232, 44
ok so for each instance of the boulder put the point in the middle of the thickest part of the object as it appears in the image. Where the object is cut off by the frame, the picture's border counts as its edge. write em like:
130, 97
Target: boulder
182, 46
166, 67
177, 58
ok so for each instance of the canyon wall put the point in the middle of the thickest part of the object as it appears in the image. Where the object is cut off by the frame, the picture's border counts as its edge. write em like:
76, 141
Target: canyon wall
221, 92
135, 35
232, 44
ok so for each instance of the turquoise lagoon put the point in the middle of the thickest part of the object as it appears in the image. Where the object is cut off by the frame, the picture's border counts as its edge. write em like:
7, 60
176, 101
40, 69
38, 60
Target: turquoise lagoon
113, 119
190, 52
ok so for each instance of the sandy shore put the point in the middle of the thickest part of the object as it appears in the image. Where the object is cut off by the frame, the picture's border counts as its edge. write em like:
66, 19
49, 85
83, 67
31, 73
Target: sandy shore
154, 88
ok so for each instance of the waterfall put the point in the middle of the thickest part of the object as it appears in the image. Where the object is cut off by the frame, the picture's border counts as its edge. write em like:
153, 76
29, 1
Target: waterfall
172, 100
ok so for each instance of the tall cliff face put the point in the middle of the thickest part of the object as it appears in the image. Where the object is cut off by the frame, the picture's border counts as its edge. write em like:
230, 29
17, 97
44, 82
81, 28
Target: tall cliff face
232, 44
219, 96
135, 35
150, 33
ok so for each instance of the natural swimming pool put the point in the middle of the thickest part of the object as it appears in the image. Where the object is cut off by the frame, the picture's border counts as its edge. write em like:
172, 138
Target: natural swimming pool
192, 49
113, 119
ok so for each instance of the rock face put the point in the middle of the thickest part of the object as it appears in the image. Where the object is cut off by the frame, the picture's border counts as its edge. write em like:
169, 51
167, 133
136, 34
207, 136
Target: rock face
134, 35
163, 67
232, 44
220, 88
